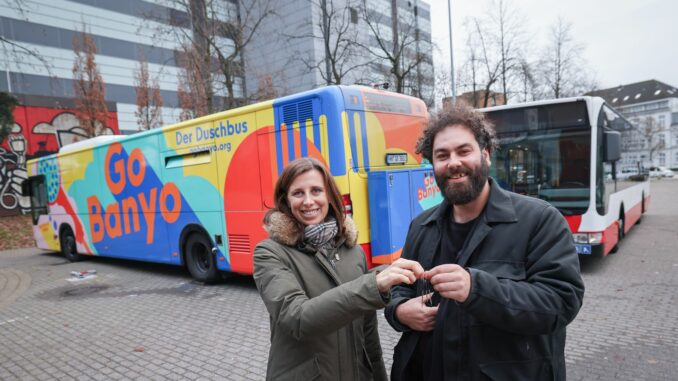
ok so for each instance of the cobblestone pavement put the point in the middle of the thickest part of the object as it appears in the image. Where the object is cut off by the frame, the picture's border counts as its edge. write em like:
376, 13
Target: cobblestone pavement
147, 321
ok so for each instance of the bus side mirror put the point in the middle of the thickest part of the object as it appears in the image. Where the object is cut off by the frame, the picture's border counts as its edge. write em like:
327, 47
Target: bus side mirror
611, 146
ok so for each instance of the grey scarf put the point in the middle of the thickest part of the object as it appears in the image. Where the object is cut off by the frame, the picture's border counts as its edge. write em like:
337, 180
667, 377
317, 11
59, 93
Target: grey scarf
321, 236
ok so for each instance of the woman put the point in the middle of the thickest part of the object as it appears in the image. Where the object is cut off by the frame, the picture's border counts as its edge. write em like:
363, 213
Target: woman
314, 282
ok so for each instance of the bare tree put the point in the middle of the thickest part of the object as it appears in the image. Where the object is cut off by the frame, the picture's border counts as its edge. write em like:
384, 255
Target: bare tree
397, 44
527, 81
15, 48
490, 65
495, 53
149, 101
651, 132
564, 72
213, 47
507, 35
265, 89
338, 34
89, 87
469, 73
7, 104
193, 93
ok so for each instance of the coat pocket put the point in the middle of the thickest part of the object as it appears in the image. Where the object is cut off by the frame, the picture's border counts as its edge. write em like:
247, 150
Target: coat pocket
308, 370
536, 370
503, 269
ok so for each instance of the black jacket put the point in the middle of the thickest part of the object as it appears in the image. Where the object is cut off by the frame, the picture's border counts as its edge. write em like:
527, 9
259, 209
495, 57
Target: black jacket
525, 288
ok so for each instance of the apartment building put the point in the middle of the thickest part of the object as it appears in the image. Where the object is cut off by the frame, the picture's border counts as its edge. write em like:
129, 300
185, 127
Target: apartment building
652, 108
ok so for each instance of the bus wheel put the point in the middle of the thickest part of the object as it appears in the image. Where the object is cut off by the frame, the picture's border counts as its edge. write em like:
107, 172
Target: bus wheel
200, 261
620, 223
68, 247
620, 227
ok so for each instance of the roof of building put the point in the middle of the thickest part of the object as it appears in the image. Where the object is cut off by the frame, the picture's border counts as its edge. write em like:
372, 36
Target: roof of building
639, 92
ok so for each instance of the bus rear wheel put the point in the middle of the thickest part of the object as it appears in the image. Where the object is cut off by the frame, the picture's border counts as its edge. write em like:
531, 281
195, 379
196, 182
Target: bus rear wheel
200, 260
642, 209
68, 246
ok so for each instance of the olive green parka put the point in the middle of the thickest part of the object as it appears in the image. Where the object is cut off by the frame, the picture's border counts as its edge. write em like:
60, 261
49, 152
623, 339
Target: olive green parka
322, 315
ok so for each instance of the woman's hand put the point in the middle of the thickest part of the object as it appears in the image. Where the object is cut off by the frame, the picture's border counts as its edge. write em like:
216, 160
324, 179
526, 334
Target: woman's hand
451, 281
400, 271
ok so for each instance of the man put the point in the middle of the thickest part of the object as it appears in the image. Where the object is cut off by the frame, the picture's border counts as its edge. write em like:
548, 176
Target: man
503, 267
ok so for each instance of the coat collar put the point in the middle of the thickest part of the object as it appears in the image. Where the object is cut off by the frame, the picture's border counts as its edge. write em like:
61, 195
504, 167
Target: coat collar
499, 207
283, 229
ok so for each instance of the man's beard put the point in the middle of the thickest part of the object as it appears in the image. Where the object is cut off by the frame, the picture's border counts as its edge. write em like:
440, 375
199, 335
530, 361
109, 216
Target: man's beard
463, 193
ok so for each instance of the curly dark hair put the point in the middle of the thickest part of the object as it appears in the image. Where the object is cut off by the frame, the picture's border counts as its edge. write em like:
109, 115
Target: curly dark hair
459, 113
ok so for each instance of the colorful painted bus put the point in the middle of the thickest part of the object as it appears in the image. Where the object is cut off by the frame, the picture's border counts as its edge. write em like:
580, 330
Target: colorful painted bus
565, 151
194, 193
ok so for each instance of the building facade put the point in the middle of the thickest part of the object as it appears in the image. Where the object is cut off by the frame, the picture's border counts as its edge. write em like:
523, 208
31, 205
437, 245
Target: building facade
283, 52
123, 31
291, 49
652, 108
285, 56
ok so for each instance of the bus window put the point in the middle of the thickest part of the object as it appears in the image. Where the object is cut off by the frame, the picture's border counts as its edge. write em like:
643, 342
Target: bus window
544, 151
38, 194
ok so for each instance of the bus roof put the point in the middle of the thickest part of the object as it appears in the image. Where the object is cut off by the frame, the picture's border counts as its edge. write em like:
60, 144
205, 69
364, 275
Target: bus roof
89, 143
587, 99
334, 90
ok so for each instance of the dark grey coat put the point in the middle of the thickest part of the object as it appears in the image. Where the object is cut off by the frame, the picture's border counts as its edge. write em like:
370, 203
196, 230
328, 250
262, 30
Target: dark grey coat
323, 319
525, 288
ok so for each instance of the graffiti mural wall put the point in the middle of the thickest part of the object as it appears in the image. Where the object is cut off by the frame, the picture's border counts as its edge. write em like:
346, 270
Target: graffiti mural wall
38, 131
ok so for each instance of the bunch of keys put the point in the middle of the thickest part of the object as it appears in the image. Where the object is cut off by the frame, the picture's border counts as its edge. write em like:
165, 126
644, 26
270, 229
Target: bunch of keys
426, 289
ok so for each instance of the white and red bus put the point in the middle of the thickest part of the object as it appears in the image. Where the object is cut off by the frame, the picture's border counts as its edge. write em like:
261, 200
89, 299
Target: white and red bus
564, 151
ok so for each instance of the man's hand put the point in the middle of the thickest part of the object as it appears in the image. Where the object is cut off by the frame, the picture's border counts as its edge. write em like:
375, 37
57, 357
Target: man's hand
451, 281
400, 271
415, 314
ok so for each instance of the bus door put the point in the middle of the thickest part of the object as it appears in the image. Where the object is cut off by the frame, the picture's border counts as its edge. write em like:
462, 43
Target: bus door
384, 173
523, 169
240, 179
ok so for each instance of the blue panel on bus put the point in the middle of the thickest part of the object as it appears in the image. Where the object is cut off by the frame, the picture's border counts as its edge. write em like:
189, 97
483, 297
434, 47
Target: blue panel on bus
305, 134
395, 198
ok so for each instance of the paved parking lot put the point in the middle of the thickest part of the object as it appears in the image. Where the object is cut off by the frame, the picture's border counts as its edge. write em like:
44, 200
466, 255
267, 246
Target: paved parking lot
147, 321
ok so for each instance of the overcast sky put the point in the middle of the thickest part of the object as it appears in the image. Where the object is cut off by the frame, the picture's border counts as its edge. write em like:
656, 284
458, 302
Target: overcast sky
625, 41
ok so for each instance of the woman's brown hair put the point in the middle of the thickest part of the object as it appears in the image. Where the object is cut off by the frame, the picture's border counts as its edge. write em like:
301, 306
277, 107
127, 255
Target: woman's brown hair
293, 170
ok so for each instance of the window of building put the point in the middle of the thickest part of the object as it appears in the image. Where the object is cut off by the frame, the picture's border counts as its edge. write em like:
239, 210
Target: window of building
675, 160
662, 158
661, 121
354, 15
662, 140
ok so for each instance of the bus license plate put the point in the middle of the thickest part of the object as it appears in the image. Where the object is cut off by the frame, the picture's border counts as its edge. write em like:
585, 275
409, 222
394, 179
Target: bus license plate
583, 249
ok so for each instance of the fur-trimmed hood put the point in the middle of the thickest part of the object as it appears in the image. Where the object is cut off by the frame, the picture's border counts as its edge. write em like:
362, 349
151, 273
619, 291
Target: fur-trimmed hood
283, 229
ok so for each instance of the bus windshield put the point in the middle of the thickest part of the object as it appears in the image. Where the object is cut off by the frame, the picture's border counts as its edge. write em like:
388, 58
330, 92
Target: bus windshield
544, 151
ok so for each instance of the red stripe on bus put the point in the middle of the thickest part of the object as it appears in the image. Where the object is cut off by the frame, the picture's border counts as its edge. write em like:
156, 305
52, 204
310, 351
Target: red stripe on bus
610, 237
573, 222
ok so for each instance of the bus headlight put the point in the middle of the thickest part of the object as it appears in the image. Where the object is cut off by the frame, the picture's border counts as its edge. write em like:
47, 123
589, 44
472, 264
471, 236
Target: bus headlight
588, 237
581, 237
